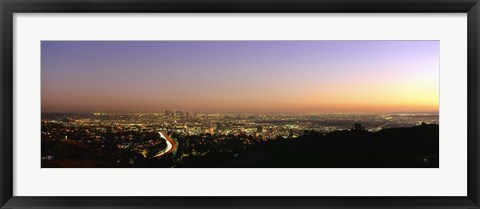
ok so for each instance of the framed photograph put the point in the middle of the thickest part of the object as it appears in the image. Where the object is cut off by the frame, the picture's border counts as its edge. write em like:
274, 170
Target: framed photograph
239, 104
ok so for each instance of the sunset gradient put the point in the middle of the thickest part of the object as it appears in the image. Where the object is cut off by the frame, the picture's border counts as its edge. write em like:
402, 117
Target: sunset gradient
240, 76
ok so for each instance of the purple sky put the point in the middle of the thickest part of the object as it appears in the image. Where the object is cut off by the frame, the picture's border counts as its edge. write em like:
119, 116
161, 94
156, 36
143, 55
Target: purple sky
240, 76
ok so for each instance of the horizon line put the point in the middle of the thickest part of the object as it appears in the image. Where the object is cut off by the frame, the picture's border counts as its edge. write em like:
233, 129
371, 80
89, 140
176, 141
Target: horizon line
163, 112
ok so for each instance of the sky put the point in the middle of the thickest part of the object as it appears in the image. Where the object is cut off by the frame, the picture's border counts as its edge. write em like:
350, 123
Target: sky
240, 76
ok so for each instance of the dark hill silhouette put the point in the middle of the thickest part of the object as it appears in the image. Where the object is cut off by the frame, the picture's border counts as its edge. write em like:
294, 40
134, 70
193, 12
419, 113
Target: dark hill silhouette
76, 155
414, 147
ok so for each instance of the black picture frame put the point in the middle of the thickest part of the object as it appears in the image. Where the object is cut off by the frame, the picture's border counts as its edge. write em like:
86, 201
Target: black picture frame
9, 7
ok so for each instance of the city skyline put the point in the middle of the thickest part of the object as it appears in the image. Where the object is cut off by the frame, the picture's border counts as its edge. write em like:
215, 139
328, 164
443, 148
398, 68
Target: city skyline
240, 76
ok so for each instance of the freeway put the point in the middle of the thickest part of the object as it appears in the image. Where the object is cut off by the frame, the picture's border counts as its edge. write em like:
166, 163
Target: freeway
171, 145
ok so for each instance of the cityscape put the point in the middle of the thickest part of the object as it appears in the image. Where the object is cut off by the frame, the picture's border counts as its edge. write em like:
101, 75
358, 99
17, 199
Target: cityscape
179, 139
240, 104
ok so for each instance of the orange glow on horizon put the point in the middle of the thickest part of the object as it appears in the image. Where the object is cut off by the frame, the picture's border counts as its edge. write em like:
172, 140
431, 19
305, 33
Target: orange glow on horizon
240, 76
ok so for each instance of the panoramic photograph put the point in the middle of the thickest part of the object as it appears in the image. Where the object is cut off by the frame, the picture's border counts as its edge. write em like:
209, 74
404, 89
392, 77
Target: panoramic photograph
240, 104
